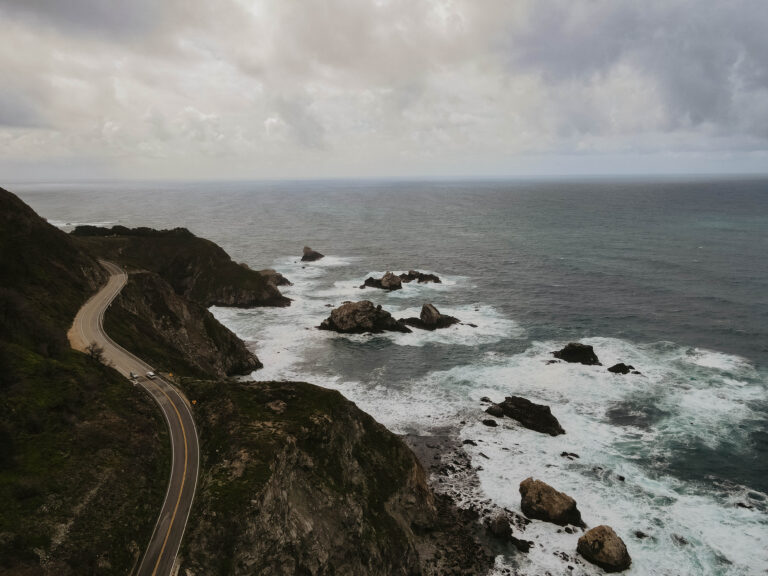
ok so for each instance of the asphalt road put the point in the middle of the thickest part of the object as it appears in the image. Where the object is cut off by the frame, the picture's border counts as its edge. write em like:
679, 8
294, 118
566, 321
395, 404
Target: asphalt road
163, 547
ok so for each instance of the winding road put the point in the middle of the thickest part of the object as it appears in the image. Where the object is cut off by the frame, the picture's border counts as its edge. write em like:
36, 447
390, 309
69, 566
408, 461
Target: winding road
160, 555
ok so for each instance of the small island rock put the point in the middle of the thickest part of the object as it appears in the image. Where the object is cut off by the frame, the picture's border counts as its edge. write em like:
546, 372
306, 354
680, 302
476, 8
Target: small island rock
542, 502
536, 417
361, 317
311, 255
621, 368
430, 319
603, 547
578, 353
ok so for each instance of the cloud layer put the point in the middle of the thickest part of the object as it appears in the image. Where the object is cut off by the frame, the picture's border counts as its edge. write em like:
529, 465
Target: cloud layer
265, 88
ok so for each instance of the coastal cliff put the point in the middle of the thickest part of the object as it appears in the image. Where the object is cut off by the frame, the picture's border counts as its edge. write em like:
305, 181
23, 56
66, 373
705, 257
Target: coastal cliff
173, 333
196, 268
297, 480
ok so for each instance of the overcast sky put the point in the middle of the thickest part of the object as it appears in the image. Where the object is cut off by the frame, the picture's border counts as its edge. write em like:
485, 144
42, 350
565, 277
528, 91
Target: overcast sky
335, 88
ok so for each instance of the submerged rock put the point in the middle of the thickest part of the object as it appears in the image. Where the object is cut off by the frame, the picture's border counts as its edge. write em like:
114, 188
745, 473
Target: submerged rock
421, 277
621, 368
310, 255
361, 317
604, 548
578, 353
542, 502
387, 282
430, 319
536, 417
490, 422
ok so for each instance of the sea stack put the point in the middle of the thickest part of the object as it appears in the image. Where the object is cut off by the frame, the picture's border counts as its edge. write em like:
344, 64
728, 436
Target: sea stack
310, 255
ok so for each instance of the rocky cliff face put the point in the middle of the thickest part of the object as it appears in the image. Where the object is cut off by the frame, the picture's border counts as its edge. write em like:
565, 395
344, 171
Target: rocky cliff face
174, 333
298, 480
195, 267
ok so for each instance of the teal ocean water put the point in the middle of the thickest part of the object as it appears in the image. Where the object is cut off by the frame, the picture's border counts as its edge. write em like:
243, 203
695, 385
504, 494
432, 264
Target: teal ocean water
669, 275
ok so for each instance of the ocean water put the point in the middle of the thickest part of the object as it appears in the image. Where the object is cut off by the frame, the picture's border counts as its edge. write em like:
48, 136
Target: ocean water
669, 275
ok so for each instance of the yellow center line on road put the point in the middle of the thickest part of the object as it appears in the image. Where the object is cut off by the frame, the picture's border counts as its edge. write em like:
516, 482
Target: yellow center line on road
183, 479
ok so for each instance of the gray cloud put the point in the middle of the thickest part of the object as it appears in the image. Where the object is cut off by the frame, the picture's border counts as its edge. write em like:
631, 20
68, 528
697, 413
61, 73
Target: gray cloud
258, 87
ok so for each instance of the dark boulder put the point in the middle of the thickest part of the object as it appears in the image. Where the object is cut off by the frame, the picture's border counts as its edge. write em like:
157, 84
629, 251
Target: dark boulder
387, 282
490, 422
310, 255
604, 548
420, 277
578, 353
361, 317
542, 502
430, 319
621, 368
536, 417
495, 410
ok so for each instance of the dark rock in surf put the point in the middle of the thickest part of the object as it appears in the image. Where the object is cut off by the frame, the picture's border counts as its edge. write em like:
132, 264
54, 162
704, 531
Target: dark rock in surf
430, 319
540, 501
387, 282
310, 255
536, 417
601, 546
491, 423
420, 277
495, 410
578, 353
621, 368
361, 317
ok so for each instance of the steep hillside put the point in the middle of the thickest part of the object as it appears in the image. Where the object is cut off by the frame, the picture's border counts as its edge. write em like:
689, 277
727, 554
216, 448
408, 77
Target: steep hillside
196, 268
71, 428
174, 334
297, 480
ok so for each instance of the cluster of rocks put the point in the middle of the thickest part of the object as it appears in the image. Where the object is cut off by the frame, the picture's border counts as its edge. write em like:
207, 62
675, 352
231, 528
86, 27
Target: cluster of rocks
364, 317
578, 353
533, 416
600, 545
391, 281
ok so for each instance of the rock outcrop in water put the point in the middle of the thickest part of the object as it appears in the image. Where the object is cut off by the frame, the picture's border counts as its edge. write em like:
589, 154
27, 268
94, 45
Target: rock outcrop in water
310, 255
542, 502
387, 282
603, 547
362, 317
622, 368
420, 277
578, 353
536, 417
430, 319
